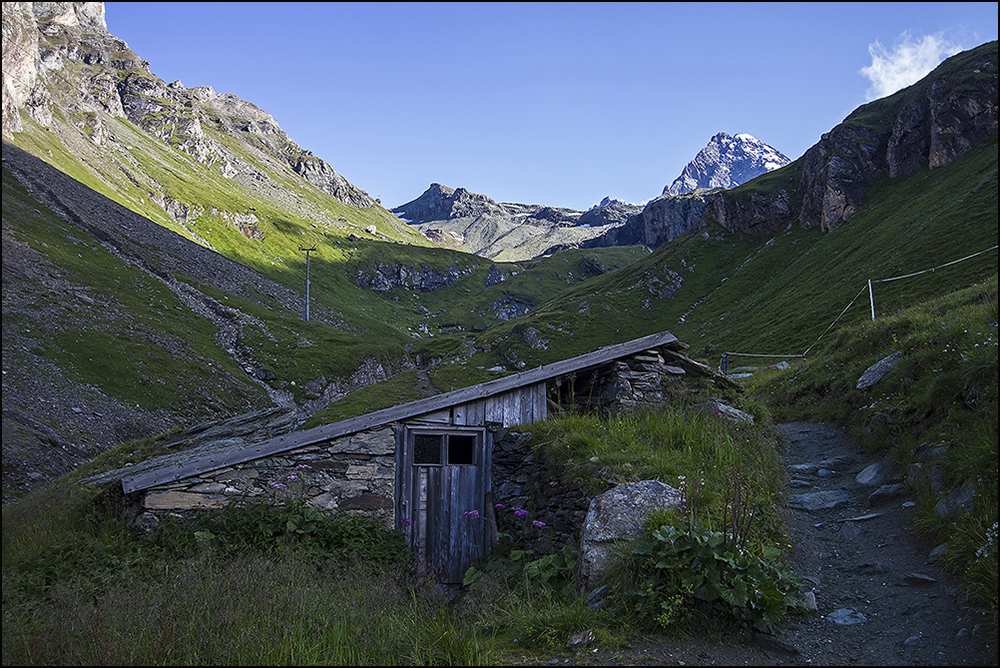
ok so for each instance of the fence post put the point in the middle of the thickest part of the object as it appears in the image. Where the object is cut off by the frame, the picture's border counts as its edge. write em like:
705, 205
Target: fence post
871, 298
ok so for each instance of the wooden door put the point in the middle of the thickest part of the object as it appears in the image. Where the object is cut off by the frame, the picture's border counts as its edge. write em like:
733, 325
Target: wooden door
442, 476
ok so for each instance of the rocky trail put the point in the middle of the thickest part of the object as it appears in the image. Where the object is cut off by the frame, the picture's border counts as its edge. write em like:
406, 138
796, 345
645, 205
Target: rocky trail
882, 597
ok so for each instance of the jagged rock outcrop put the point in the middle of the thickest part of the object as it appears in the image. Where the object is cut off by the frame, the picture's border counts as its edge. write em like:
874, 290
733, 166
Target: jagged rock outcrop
506, 231
440, 202
661, 220
727, 161
385, 278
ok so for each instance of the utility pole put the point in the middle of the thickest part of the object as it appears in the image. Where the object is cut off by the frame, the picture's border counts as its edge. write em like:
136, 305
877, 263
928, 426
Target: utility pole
307, 250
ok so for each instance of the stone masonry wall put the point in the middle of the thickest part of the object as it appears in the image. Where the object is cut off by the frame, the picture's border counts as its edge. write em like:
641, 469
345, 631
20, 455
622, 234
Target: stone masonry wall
521, 479
354, 474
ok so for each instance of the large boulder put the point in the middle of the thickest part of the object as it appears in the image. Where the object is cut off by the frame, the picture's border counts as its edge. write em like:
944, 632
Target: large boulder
618, 517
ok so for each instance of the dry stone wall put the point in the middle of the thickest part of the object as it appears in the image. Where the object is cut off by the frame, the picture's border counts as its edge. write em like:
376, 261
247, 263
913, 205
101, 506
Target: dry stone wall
353, 474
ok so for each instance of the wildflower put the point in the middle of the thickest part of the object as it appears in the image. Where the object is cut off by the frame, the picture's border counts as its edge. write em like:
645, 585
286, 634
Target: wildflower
303, 466
537, 524
474, 514
405, 521
277, 485
498, 505
520, 512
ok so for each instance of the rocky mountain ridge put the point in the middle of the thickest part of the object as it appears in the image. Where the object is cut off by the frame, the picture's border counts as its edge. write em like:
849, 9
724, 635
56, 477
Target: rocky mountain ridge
476, 224
62, 66
934, 122
728, 161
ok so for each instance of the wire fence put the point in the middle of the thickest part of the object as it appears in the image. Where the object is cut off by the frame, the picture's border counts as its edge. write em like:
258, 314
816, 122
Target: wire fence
724, 364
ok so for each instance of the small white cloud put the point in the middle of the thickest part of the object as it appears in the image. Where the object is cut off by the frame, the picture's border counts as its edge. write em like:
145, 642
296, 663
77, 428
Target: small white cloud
908, 61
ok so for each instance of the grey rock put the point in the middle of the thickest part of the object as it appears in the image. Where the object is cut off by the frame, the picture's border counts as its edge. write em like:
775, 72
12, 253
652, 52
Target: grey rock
615, 517
885, 493
814, 501
919, 579
846, 617
877, 371
871, 476
937, 554
581, 639
961, 497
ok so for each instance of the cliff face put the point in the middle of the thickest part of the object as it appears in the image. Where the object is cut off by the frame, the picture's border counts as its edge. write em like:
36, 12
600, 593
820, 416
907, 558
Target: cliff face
934, 122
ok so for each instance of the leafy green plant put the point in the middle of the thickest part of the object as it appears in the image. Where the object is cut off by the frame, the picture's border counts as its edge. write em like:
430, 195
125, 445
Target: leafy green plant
516, 535
699, 570
555, 572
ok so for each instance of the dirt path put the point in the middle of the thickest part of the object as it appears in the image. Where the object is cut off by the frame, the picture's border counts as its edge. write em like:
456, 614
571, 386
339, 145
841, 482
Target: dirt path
880, 599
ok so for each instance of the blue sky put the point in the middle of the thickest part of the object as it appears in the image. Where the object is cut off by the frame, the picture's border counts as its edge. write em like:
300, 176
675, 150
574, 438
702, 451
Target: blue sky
559, 104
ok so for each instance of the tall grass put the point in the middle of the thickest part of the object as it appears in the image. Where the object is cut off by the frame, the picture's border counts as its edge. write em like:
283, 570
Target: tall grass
97, 596
692, 448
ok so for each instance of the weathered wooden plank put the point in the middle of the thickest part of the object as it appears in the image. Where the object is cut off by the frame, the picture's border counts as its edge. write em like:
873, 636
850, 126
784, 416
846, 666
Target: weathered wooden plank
477, 412
494, 409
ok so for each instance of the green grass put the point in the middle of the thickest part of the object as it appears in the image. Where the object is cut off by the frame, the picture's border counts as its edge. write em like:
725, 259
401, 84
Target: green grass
77, 588
134, 339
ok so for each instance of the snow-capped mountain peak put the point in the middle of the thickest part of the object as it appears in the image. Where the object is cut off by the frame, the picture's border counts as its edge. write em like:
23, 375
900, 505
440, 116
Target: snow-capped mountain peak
727, 162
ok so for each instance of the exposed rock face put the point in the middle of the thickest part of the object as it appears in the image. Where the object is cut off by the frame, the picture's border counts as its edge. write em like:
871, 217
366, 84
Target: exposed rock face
727, 162
60, 56
661, 220
935, 121
384, 278
754, 212
504, 231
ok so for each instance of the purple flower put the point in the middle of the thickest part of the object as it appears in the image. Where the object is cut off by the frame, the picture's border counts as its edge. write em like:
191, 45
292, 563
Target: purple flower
537, 524
404, 521
277, 485
303, 466
474, 514
520, 512
498, 505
